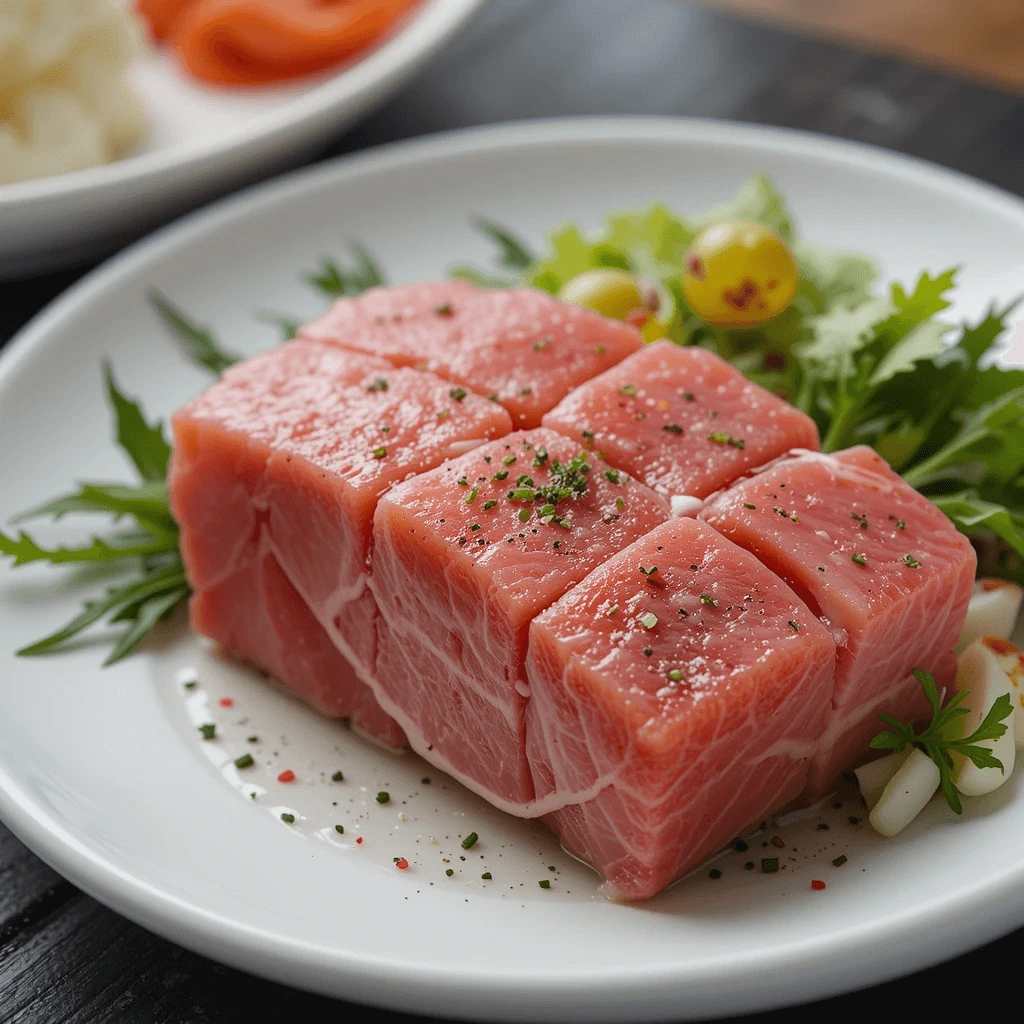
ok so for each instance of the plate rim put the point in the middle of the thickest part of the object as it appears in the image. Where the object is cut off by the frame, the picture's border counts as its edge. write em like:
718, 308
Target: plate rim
347, 92
799, 971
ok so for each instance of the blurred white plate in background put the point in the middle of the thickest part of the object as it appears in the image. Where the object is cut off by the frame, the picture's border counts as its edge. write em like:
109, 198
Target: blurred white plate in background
202, 142
103, 772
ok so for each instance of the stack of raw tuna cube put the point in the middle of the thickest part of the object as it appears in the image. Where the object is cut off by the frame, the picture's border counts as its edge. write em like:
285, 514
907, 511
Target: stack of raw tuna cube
609, 584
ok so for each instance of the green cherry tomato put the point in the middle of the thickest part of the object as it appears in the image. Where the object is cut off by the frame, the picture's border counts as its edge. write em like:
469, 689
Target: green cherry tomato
739, 274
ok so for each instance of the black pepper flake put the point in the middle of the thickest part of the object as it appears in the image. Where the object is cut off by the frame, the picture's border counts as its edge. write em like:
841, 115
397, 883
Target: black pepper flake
673, 428
853, 820
740, 845
714, 874
749, 866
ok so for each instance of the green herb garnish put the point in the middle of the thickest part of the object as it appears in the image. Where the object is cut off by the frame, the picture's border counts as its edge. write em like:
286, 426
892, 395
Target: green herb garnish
470, 841
939, 739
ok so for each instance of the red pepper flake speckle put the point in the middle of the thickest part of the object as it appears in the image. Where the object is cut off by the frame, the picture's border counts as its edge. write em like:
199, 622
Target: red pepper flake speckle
817, 884
226, 702
359, 840
286, 776
402, 864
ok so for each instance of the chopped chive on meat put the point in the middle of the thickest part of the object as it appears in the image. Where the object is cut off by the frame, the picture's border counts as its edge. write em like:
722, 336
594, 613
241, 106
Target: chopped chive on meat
445, 309
688, 395
859, 559
383, 797
502, 474
492, 397
611, 475
648, 620
471, 497
474, 527
546, 510
839, 861
526, 391
245, 761
337, 777
380, 384
614, 608
556, 544
600, 350
489, 504
380, 453
748, 504
675, 675
721, 437
588, 435
508, 460
462, 482
912, 561
209, 731
673, 428
769, 865
449, 872
486, 876
545, 883
900, 525
795, 625
470, 841
340, 829
524, 480
443, 414
458, 394
648, 573
620, 503
540, 457
710, 601
288, 819
539, 346
629, 390
522, 494
524, 515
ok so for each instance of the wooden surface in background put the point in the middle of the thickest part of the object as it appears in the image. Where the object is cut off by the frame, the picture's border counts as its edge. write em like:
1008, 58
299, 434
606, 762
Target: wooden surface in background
980, 38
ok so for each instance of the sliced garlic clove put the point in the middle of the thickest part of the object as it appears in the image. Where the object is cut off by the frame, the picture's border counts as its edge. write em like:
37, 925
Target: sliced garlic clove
906, 794
993, 611
981, 672
874, 776
1012, 660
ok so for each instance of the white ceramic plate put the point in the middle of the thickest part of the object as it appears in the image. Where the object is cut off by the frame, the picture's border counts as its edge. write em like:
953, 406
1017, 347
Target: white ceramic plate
103, 772
201, 142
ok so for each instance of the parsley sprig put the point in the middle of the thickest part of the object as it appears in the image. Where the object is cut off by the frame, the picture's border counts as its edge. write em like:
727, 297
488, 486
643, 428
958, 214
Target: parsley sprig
940, 741
143, 553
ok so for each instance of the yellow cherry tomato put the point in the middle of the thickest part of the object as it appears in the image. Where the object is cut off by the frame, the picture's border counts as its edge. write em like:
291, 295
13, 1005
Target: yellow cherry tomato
739, 274
614, 293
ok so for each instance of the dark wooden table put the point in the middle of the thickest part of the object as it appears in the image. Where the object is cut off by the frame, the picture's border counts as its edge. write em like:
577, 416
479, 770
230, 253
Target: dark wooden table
65, 958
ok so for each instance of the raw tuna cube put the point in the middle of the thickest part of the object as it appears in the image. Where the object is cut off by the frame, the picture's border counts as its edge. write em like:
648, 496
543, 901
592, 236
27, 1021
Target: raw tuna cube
676, 695
260, 617
524, 347
882, 566
292, 450
681, 420
460, 569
